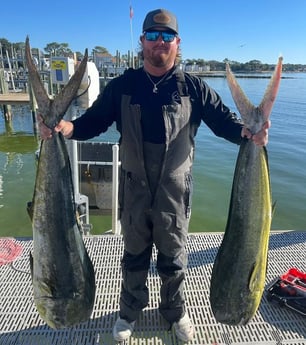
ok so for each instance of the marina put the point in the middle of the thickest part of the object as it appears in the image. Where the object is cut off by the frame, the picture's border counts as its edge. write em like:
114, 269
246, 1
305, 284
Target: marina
213, 167
20, 323
272, 325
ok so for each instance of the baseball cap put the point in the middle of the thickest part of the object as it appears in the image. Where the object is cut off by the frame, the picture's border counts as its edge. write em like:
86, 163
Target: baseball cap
161, 18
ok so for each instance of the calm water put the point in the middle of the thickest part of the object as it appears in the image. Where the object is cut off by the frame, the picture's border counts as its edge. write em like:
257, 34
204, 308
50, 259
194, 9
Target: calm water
213, 168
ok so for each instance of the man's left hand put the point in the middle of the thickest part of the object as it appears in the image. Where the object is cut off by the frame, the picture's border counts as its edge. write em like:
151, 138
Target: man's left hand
260, 138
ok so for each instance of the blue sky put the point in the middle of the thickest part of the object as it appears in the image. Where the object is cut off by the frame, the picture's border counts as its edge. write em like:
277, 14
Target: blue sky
238, 30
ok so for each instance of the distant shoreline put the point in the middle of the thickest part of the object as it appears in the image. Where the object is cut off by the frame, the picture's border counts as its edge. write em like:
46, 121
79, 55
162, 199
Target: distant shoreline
222, 74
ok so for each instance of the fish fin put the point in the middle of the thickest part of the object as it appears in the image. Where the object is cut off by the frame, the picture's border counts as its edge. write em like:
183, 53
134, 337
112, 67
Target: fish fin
60, 104
31, 264
68, 93
36, 84
268, 100
253, 276
273, 208
242, 102
30, 207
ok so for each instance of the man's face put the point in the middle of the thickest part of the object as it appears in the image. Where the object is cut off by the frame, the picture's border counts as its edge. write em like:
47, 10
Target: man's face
160, 53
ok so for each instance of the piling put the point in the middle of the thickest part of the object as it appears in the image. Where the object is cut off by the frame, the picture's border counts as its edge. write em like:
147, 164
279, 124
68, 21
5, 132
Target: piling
4, 89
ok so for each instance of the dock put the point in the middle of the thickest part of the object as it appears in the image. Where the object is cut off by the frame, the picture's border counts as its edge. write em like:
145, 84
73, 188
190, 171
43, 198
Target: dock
20, 323
14, 98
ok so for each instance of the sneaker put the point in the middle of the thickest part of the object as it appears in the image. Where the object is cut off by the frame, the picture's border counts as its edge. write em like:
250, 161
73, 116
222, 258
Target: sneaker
123, 329
184, 329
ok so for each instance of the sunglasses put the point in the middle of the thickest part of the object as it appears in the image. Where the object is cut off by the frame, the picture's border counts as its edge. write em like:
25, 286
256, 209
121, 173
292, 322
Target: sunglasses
153, 35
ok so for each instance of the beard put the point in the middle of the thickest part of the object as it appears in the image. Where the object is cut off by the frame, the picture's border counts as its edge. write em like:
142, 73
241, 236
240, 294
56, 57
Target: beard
159, 57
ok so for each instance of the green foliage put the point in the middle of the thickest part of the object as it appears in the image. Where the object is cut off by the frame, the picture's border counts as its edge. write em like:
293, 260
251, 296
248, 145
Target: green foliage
62, 49
100, 50
58, 49
250, 66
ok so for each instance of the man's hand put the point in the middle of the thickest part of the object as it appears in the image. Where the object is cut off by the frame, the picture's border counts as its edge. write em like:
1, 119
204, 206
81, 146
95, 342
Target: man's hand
65, 127
260, 138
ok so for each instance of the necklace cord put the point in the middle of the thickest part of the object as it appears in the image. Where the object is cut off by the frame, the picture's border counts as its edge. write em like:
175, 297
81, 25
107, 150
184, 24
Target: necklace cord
155, 88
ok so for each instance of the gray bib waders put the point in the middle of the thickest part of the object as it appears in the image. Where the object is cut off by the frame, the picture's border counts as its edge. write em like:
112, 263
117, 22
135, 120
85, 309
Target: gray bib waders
155, 202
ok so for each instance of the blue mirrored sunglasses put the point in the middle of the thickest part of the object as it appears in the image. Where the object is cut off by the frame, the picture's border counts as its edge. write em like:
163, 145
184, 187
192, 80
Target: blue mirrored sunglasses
153, 35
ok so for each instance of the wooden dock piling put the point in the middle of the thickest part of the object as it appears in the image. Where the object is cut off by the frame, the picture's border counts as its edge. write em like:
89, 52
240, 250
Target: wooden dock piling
7, 99
3, 90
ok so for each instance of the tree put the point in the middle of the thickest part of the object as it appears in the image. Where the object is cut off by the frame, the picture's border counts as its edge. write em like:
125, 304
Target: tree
61, 49
5, 44
79, 55
253, 65
64, 50
100, 50
201, 62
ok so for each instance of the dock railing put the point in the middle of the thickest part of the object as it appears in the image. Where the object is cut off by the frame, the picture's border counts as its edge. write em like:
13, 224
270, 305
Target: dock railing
95, 169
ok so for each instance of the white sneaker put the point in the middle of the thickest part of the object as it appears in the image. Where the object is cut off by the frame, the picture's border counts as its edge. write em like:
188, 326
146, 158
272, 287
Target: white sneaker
123, 329
184, 329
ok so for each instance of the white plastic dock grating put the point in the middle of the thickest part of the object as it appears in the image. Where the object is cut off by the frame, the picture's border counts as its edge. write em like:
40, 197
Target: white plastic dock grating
20, 323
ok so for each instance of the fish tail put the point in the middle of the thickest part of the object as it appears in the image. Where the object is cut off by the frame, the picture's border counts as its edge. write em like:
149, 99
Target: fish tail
271, 91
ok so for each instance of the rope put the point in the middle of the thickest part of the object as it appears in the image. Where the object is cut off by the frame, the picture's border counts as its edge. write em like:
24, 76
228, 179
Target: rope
9, 250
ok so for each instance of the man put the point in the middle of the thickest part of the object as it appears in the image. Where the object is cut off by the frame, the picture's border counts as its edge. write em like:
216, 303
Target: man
157, 110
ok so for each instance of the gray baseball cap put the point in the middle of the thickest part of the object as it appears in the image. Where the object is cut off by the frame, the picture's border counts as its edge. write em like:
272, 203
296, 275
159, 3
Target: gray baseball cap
161, 18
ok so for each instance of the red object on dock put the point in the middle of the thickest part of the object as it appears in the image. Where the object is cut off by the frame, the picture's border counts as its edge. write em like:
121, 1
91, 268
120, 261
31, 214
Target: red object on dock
296, 278
289, 290
9, 250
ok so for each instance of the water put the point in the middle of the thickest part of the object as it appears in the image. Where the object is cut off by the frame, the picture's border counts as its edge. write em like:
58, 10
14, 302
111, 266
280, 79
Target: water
213, 168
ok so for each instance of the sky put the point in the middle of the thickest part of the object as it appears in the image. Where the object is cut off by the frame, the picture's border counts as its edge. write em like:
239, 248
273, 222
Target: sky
238, 30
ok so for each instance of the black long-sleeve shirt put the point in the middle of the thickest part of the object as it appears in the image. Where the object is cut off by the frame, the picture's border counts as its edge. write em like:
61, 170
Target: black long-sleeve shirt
107, 108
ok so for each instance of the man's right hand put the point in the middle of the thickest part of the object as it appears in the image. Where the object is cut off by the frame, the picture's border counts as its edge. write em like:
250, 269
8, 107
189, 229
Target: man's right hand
65, 127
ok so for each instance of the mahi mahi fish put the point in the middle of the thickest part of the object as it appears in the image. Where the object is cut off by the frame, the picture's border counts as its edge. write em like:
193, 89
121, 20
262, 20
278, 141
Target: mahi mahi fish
239, 269
62, 273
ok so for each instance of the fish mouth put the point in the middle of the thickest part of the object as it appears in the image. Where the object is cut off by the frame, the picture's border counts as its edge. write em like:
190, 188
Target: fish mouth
63, 312
59, 299
227, 319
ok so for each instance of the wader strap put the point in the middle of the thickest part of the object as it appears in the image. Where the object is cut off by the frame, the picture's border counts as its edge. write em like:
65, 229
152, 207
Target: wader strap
129, 82
181, 83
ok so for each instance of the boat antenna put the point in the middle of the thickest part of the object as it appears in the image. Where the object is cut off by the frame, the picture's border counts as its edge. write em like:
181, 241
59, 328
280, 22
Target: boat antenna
131, 30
